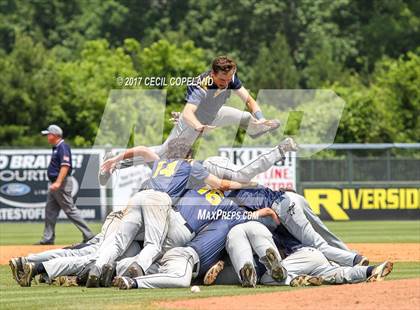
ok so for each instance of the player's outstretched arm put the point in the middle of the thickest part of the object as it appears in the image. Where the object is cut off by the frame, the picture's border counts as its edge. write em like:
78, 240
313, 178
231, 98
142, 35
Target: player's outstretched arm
225, 185
138, 151
251, 104
268, 212
190, 118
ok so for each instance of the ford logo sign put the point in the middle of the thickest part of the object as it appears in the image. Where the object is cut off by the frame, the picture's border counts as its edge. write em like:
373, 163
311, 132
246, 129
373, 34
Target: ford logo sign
15, 189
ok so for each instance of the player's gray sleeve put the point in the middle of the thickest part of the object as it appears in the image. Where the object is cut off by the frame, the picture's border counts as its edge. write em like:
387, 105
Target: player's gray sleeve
176, 270
223, 167
147, 210
292, 216
310, 261
245, 239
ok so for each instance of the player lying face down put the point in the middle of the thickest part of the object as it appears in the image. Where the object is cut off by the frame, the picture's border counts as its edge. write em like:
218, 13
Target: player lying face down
302, 265
296, 215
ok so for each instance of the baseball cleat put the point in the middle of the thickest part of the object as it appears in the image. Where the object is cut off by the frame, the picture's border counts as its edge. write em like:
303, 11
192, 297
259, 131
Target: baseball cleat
288, 145
65, 281
361, 260
43, 278
134, 271
16, 265
261, 129
273, 264
124, 283
106, 275
82, 277
44, 242
28, 274
380, 272
92, 281
248, 275
93, 278
305, 280
211, 274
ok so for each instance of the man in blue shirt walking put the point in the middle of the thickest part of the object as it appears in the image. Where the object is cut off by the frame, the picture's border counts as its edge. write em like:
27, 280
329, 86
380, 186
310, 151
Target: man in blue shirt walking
59, 192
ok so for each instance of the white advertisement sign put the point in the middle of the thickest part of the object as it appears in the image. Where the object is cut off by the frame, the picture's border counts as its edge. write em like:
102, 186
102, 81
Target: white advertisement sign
281, 175
126, 182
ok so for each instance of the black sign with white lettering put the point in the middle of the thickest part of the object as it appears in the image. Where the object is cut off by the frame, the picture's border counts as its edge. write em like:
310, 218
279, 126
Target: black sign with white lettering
24, 184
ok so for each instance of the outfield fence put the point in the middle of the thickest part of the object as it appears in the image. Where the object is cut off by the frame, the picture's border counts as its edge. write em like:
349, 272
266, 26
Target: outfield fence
363, 181
343, 182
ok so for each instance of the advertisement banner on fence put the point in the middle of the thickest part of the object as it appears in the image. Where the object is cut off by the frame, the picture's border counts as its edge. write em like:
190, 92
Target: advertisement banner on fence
365, 203
24, 184
281, 175
126, 182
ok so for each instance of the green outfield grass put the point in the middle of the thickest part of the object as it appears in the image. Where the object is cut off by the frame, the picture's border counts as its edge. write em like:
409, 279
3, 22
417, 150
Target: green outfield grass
353, 231
42, 296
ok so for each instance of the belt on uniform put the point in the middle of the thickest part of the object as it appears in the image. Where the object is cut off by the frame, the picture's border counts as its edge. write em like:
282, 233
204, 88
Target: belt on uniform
185, 224
189, 227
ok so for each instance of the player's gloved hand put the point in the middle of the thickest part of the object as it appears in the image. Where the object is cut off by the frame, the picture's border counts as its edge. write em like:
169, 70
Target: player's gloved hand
268, 212
55, 186
175, 117
204, 128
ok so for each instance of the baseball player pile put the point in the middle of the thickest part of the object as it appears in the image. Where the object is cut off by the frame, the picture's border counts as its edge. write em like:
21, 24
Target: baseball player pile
205, 222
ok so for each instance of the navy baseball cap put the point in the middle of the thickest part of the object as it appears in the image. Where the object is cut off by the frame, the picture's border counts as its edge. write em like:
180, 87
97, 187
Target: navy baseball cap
53, 129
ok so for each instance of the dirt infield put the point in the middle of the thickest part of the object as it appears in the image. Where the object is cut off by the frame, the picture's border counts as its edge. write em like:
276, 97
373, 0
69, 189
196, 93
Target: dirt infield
396, 252
9, 251
399, 294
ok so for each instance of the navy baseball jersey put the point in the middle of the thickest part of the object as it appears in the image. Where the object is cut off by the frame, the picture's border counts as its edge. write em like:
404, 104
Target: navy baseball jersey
61, 156
174, 176
201, 206
210, 242
208, 97
255, 198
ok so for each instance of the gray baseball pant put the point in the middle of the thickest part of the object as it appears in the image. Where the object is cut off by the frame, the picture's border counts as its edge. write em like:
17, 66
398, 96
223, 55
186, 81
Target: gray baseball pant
222, 167
61, 199
176, 269
52, 254
310, 261
317, 224
147, 211
64, 266
226, 116
177, 236
294, 219
245, 239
